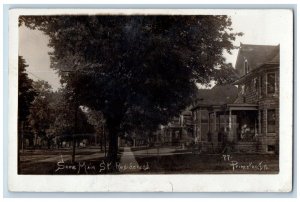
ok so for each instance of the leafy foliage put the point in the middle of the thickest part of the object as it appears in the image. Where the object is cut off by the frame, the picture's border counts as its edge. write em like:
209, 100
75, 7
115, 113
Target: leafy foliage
26, 91
40, 113
137, 70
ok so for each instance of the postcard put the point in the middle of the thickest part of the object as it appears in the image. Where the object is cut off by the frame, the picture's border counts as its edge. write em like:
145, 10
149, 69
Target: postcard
146, 100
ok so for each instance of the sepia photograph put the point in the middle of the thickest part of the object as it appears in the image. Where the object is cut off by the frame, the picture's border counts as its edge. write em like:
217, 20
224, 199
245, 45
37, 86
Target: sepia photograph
151, 93
145, 94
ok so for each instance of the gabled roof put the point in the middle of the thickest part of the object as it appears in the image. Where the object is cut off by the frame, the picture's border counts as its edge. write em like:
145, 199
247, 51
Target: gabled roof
255, 55
275, 59
218, 95
274, 56
271, 61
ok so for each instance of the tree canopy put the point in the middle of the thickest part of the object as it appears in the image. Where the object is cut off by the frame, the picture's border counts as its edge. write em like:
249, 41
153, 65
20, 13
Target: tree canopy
137, 70
26, 90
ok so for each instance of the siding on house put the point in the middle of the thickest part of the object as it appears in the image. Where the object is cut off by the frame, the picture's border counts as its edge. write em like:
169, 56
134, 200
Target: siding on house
257, 94
251, 102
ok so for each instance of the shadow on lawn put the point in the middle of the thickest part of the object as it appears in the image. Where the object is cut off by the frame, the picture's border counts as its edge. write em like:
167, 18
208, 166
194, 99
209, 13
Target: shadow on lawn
172, 164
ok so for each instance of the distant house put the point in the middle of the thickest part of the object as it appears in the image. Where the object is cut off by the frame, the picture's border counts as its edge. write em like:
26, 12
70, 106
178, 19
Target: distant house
179, 130
245, 117
208, 117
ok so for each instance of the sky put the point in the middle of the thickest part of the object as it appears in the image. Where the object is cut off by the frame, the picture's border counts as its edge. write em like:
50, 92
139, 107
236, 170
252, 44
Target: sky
258, 28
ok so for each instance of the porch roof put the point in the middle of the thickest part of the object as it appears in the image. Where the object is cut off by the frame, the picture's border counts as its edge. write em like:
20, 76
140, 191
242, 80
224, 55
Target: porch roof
255, 72
242, 106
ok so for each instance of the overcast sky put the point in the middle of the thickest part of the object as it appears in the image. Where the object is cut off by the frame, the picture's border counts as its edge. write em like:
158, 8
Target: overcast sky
259, 28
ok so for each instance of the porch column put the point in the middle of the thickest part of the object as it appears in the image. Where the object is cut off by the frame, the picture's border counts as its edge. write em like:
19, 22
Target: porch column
215, 122
214, 132
259, 122
209, 122
200, 135
229, 124
230, 138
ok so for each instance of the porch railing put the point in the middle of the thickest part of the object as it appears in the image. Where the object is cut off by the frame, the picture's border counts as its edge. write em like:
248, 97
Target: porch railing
248, 137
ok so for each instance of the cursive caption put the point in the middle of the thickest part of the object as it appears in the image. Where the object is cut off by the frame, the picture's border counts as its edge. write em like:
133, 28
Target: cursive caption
101, 167
236, 165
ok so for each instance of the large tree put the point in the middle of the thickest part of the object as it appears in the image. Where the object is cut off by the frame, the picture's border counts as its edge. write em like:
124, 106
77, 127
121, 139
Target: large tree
136, 70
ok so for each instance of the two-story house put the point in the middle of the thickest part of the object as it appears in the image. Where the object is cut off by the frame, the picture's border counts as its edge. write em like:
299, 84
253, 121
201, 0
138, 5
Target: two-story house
258, 66
247, 120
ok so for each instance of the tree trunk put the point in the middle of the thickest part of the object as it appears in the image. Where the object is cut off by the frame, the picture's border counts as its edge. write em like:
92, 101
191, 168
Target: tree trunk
104, 135
101, 141
20, 142
112, 155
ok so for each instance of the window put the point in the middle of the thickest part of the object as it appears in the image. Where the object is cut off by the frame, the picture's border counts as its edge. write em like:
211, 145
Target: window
261, 85
255, 85
204, 116
261, 121
271, 120
243, 89
271, 148
247, 88
204, 125
209, 137
271, 83
220, 136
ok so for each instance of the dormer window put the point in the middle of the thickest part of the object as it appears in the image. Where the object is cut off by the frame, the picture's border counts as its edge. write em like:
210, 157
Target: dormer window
243, 89
246, 66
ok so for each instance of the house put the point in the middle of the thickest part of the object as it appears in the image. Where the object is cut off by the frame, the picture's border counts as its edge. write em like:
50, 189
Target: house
244, 118
179, 130
207, 114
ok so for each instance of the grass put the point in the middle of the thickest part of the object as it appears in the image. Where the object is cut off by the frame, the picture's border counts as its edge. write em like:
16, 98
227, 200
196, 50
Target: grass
209, 163
172, 164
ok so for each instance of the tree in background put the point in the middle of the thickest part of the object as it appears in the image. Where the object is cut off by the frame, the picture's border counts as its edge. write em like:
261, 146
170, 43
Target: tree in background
25, 97
95, 118
40, 116
69, 122
137, 70
62, 125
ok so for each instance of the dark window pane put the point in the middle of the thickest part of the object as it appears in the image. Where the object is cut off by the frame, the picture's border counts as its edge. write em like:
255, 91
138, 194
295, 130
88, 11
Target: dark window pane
271, 83
261, 85
261, 121
256, 86
271, 119
204, 116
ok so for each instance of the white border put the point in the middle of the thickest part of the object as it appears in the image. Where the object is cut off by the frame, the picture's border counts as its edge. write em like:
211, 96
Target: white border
281, 182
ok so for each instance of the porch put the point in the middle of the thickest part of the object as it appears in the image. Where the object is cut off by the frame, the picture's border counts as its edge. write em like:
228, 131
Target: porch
235, 127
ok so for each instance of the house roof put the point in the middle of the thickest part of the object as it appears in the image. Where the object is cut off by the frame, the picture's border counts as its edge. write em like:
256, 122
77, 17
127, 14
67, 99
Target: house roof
218, 95
255, 55
274, 56
272, 59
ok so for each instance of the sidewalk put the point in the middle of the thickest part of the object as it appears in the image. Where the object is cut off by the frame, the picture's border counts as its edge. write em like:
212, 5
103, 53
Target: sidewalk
128, 162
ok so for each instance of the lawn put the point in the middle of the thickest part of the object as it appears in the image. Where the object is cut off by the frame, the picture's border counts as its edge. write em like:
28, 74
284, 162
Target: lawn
212, 163
170, 164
